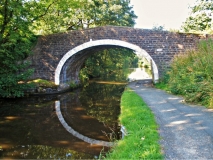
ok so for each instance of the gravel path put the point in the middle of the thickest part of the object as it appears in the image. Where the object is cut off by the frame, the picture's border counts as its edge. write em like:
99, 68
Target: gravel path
186, 130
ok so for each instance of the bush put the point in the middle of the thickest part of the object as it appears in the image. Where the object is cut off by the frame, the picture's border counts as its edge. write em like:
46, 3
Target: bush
191, 74
13, 84
73, 84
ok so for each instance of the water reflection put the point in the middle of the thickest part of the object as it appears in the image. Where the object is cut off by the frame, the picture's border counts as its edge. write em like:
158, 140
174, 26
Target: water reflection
75, 133
30, 127
104, 104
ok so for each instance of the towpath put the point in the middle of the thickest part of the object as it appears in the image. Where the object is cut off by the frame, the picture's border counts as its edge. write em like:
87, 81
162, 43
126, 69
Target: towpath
186, 130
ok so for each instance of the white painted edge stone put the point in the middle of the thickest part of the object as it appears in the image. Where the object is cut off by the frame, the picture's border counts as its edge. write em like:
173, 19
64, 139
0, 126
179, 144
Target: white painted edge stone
137, 49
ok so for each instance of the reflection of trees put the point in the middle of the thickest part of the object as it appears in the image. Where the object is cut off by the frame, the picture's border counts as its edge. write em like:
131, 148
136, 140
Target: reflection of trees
33, 122
24, 105
44, 152
21, 117
102, 101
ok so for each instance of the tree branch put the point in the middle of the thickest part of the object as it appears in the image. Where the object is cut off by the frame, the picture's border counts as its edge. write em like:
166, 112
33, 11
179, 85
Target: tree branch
46, 11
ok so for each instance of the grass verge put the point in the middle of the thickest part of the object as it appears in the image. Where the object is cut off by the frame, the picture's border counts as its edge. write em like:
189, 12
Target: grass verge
142, 141
162, 86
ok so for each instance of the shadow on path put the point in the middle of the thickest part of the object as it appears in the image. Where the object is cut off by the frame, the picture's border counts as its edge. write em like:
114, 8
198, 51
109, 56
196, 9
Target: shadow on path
186, 130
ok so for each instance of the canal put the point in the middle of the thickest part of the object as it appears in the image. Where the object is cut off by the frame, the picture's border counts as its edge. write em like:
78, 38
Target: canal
81, 124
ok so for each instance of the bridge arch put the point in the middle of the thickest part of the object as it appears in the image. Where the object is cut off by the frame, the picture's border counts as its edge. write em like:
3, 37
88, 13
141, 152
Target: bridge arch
111, 42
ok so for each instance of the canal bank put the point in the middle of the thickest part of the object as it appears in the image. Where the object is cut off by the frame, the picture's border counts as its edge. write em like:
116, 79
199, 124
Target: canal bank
142, 138
186, 130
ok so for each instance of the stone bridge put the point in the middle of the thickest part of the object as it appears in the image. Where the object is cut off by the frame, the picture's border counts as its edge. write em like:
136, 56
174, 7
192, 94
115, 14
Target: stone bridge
59, 57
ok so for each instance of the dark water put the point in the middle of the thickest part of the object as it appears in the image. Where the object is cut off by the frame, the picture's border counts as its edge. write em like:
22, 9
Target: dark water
78, 125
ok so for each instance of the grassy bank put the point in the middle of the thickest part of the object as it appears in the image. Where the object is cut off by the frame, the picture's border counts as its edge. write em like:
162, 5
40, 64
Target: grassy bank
191, 75
142, 141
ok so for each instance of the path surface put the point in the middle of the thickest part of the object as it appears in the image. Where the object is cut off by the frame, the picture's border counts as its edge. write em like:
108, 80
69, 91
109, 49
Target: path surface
186, 130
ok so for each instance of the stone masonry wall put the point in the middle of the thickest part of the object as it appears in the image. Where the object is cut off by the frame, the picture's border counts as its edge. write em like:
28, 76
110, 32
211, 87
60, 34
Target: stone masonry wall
160, 45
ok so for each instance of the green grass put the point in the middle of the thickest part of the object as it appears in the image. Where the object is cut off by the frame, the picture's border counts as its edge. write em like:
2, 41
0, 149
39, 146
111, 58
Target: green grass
162, 86
142, 141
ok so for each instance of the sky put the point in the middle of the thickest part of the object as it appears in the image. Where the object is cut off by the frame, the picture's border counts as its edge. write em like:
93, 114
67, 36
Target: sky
168, 13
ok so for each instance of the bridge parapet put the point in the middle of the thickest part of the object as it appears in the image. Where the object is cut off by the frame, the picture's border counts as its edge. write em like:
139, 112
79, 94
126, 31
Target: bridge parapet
160, 46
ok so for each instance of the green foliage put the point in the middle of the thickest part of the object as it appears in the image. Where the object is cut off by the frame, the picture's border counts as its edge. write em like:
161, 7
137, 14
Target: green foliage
60, 16
191, 74
162, 85
142, 141
134, 62
20, 19
163, 82
83, 76
109, 64
146, 66
200, 18
15, 45
12, 84
158, 28
43, 83
73, 85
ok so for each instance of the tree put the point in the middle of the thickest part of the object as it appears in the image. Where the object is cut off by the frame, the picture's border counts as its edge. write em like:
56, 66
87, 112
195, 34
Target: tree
158, 28
200, 18
115, 12
21, 19
64, 15
15, 45
109, 64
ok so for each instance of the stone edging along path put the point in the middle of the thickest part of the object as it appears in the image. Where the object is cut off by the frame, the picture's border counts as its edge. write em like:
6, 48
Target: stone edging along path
186, 130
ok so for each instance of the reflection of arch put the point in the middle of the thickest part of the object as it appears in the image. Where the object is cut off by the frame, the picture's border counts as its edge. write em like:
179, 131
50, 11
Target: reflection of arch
75, 133
113, 42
